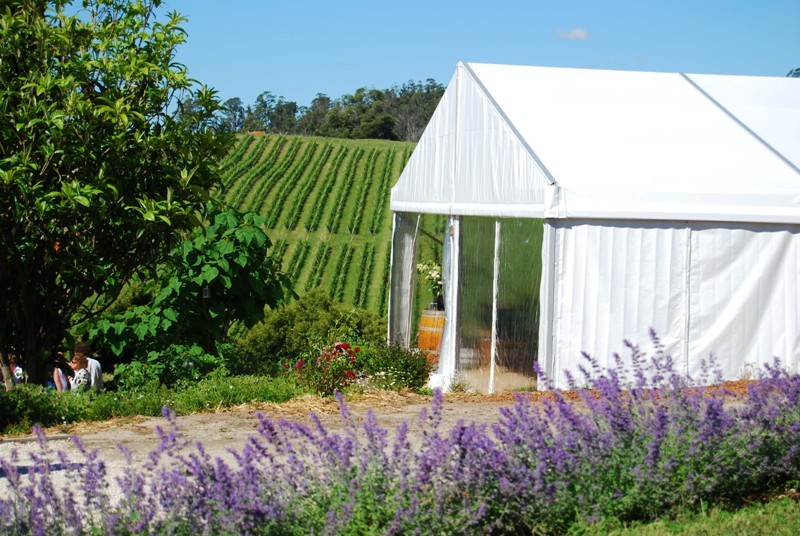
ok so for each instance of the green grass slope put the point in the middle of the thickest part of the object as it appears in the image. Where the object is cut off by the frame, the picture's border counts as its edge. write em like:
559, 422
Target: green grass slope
326, 202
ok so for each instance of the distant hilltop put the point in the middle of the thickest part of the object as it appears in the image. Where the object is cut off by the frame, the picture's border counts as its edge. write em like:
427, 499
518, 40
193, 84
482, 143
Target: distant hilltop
399, 113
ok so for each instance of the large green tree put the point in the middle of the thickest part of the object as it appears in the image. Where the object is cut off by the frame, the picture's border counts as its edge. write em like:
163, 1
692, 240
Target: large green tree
283, 118
312, 118
233, 114
101, 166
414, 106
400, 112
257, 117
219, 275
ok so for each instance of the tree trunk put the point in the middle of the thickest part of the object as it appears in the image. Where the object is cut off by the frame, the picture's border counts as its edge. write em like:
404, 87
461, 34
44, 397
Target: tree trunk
7, 379
31, 350
33, 358
41, 329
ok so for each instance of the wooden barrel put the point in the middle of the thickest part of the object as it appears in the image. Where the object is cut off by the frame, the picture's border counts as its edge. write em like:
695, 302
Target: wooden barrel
431, 327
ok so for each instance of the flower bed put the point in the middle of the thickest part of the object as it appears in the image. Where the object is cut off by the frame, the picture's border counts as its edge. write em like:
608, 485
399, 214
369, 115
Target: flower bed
615, 450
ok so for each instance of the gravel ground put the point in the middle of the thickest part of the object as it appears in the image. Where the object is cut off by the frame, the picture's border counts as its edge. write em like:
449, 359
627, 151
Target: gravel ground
230, 428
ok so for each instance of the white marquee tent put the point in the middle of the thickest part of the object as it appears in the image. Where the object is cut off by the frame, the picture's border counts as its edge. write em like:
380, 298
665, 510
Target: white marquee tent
664, 200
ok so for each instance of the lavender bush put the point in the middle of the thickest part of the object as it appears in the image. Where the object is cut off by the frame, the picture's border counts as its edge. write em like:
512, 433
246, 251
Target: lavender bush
635, 443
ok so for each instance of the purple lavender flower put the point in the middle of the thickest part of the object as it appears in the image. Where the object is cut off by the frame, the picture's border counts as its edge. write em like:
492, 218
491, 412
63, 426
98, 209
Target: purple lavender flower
633, 442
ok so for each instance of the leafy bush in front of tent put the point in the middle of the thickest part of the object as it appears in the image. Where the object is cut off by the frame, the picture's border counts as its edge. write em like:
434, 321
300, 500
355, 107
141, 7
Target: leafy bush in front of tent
302, 328
333, 368
338, 365
393, 367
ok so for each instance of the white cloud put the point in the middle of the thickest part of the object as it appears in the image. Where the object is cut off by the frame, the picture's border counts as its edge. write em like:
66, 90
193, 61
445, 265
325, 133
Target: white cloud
575, 34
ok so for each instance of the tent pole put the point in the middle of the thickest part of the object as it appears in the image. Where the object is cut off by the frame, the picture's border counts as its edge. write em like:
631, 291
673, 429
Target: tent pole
448, 354
413, 273
546, 351
495, 292
687, 304
389, 323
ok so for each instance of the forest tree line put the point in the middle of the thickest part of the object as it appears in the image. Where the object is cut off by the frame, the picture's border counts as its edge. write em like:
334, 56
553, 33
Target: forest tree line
398, 113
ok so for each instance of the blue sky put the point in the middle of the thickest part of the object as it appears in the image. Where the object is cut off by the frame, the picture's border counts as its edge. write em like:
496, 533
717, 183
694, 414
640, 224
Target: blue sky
298, 48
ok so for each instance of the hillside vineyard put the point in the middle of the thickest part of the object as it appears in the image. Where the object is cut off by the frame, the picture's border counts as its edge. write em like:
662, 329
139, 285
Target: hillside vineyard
326, 202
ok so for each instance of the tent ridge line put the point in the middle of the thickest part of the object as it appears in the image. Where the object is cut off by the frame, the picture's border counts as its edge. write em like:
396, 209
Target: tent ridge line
454, 163
740, 122
528, 148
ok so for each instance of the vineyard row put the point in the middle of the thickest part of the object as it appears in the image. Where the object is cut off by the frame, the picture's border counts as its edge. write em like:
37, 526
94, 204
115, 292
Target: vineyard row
326, 205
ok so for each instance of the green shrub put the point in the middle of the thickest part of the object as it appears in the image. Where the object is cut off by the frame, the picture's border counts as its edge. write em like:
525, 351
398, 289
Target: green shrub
334, 367
393, 367
176, 365
147, 399
302, 328
337, 366
219, 390
27, 405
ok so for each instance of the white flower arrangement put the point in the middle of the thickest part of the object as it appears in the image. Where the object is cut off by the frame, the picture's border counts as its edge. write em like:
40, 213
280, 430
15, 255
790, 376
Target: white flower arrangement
432, 273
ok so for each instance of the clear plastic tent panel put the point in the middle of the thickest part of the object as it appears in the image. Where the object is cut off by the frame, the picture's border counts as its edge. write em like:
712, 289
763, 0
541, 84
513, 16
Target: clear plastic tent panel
502, 255
417, 240
402, 278
427, 306
494, 314
475, 304
519, 278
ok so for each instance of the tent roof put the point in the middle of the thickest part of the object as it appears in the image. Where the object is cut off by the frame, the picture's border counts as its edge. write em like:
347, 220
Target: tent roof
575, 143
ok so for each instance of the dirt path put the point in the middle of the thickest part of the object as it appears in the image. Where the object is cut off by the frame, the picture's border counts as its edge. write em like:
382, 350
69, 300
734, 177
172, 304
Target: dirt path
230, 428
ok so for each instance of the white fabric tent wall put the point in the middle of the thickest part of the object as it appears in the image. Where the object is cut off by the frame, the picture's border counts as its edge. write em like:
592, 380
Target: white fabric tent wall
744, 297
705, 288
672, 201
613, 281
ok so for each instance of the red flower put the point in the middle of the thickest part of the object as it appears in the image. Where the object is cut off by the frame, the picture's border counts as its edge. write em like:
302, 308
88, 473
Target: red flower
342, 346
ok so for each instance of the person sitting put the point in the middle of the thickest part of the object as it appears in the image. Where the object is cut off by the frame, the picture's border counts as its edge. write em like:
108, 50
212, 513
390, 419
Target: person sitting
60, 381
95, 374
80, 380
93, 366
17, 374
